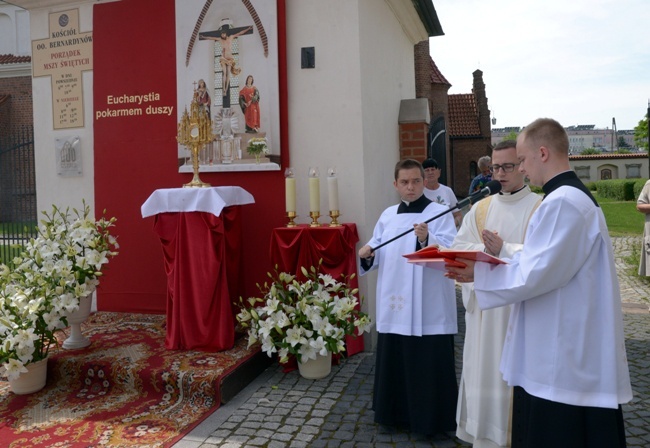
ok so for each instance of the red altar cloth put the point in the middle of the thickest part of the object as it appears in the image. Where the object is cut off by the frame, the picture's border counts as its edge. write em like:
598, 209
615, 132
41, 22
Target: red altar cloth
200, 232
202, 260
293, 247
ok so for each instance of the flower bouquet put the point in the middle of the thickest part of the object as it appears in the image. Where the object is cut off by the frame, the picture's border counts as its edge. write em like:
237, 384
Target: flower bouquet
302, 318
45, 283
256, 147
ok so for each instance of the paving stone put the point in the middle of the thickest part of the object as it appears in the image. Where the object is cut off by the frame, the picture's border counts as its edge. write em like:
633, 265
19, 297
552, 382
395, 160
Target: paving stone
289, 411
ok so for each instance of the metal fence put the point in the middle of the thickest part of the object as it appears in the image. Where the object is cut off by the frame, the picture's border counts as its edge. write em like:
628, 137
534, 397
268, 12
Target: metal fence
18, 215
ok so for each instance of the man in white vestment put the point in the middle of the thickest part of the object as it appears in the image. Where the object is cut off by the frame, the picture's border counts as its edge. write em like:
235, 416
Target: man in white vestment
415, 380
496, 225
564, 352
438, 192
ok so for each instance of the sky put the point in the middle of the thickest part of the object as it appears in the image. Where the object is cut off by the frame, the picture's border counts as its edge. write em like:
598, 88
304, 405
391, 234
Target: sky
579, 62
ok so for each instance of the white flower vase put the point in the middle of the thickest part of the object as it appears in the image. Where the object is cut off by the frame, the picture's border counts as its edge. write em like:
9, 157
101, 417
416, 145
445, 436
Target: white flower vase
31, 381
315, 369
75, 319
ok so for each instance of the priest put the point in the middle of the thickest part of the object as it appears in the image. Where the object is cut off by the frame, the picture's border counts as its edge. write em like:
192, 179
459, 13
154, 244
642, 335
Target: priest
564, 352
415, 381
496, 225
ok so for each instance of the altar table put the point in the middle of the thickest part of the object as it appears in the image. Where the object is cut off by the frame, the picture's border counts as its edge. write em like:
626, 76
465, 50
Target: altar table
293, 247
200, 232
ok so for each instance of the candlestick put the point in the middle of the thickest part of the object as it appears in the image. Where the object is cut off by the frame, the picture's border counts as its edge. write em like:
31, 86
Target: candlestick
334, 214
290, 190
314, 190
333, 189
314, 219
291, 216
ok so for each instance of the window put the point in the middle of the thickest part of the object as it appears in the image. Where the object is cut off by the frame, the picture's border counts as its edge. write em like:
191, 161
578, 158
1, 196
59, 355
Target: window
633, 171
582, 172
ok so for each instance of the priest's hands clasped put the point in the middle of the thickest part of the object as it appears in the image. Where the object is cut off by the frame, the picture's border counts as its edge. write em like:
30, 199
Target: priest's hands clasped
493, 242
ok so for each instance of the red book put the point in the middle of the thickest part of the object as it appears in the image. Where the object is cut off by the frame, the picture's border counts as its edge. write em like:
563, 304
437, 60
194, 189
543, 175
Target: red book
433, 257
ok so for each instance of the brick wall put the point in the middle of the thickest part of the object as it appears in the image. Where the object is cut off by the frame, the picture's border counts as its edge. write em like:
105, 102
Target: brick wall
17, 183
20, 89
413, 141
464, 153
478, 88
422, 69
5, 118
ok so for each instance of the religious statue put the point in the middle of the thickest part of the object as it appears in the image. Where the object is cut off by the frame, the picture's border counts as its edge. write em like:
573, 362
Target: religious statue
225, 36
249, 101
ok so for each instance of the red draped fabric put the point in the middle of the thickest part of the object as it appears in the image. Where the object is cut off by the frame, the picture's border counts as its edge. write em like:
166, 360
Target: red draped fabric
202, 263
295, 247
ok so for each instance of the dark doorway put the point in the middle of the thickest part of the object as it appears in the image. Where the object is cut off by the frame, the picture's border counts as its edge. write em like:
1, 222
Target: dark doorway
437, 146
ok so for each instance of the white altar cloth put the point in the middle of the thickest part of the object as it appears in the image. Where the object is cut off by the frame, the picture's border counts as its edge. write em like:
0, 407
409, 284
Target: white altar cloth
210, 200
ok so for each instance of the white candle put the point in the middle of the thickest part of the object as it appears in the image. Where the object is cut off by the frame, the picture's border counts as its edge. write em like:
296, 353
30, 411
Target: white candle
333, 192
290, 193
314, 194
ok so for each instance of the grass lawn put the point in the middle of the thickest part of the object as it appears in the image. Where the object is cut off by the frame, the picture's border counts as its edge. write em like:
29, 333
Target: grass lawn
622, 217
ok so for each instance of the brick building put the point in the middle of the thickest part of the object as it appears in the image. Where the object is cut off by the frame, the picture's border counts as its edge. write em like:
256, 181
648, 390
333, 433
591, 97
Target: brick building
455, 130
16, 110
17, 183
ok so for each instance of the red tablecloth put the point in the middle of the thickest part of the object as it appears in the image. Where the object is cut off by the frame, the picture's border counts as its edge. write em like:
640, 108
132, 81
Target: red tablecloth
202, 261
293, 247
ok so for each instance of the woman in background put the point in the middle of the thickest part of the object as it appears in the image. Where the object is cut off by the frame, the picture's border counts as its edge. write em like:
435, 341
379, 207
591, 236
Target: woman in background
643, 205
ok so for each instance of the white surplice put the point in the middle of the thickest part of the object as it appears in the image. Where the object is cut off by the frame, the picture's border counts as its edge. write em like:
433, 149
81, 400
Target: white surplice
564, 341
484, 399
412, 300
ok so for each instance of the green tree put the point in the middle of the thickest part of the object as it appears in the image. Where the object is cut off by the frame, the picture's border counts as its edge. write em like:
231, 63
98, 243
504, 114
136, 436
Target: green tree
641, 134
590, 151
511, 136
622, 143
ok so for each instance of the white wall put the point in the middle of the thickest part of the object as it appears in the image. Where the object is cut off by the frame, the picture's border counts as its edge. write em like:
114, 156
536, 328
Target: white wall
620, 167
14, 30
50, 187
325, 125
344, 111
387, 77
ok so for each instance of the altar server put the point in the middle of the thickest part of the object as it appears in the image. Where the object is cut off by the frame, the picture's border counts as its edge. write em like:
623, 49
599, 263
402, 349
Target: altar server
564, 351
496, 225
415, 381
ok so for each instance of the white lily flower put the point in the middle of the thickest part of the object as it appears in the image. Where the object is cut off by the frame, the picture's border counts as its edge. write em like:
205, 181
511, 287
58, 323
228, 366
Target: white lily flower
13, 368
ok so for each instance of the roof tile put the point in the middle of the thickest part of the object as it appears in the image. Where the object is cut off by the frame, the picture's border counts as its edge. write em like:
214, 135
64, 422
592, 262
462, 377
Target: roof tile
611, 155
13, 59
463, 116
436, 75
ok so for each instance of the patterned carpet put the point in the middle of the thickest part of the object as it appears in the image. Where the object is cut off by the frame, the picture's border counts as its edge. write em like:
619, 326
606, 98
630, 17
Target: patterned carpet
124, 390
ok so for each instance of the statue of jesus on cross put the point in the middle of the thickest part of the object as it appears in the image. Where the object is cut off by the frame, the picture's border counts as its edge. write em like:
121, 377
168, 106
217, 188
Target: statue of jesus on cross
225, 36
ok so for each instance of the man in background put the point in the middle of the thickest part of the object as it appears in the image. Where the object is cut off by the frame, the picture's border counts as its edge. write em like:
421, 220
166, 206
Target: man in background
483, 177
438, 192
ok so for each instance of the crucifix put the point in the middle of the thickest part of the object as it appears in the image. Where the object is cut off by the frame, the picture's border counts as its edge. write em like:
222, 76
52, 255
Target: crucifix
225, 36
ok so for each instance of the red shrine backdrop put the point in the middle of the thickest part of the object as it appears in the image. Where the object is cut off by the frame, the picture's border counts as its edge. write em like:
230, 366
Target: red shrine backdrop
134, 48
